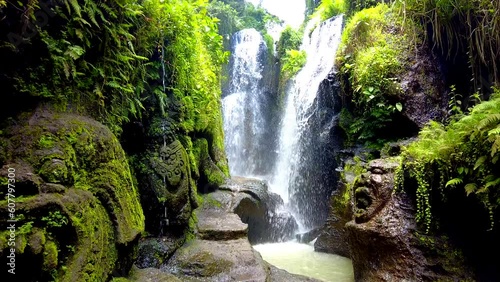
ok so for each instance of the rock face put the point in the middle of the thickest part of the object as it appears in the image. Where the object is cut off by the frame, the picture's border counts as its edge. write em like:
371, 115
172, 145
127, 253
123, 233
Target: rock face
333, 236
259, 208
384, 240
318, 145
79, 216
425, 94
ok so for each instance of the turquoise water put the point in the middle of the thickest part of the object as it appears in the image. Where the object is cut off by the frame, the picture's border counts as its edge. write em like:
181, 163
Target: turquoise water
302, 259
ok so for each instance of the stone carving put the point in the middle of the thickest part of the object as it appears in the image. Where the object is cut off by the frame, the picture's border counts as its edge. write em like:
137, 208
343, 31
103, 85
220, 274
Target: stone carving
373, 190
172, 165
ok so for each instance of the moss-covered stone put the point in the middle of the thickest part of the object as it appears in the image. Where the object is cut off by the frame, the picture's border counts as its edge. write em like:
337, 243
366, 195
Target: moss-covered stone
79, 206
210, 174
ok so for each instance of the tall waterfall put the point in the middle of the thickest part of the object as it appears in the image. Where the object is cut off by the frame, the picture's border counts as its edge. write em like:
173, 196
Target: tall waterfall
245, 107
303, 173
296, 154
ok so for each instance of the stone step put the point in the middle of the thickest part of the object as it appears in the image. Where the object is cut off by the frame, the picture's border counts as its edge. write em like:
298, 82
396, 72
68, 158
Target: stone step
218, 225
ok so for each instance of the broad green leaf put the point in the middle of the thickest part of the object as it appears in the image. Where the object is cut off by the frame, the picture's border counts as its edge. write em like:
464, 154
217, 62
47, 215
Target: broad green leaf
399, 107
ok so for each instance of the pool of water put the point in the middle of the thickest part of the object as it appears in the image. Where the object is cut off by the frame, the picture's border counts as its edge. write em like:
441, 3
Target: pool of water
302, 259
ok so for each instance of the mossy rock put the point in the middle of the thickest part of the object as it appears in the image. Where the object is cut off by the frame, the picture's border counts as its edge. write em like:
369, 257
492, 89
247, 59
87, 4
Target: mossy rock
167, 190
77, 207
210, 174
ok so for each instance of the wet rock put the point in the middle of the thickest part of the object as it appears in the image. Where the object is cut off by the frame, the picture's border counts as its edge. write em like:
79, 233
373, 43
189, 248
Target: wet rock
333, 236
282, 227
308, 236
384, 240
260, 209
232, 260
423, 85
215, 225
153, 252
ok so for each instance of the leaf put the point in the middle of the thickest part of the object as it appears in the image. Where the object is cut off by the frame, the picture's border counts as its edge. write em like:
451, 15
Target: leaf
454, 182
479, 162
460, 170
399, 107
470, 188
371, 89
493, 183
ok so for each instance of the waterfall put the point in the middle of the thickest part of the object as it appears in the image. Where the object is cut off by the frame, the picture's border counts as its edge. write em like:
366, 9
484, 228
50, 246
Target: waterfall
301, 175
245, 107
296, 154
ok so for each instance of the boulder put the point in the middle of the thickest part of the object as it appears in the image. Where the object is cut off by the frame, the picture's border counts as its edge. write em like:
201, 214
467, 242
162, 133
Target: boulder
231, 260
79, 218
280, 275
260, 209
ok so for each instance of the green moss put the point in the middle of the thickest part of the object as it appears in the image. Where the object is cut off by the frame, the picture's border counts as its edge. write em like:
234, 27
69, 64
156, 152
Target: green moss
37, 241
211, 172
50, 254
210, 201
80, 227
46, 141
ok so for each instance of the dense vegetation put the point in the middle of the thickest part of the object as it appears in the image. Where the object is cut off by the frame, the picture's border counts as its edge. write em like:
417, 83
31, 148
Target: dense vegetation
461, 155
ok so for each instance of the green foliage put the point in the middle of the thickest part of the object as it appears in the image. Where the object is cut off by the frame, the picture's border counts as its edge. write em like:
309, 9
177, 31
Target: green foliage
107, 58
461, 26
55, 219
330, 8
292, 62
192, 55
370, 58
466, 154
290, 39
236, 15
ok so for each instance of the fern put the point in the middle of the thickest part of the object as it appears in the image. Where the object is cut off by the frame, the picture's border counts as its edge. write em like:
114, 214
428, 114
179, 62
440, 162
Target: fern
454, 182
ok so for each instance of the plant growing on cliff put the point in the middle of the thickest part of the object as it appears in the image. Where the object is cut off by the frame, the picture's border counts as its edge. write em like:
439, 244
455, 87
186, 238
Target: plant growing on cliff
370, 59
293, 61
461, 26
465, 154
330, 8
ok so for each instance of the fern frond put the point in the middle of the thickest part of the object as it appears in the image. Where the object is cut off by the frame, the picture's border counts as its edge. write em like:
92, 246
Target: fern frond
454, 182
490, 121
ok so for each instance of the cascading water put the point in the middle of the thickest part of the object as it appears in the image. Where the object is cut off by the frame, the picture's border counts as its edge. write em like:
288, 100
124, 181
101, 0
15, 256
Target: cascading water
245, 107
293, 151
303, 171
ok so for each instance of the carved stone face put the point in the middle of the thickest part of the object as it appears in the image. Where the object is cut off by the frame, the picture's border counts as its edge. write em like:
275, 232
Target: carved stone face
171, 183
75, 195
371, 192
